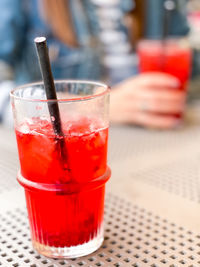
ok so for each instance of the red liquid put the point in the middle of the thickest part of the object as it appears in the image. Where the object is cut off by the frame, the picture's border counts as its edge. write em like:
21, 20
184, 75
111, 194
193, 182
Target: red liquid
171, 58
69, 210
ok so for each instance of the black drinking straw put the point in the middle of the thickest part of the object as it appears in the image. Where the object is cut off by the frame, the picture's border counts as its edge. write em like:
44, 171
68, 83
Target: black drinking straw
45, 67
169, 6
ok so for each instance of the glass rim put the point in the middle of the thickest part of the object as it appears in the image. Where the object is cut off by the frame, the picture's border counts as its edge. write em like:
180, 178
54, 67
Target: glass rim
62, 100
181, 42
169, 39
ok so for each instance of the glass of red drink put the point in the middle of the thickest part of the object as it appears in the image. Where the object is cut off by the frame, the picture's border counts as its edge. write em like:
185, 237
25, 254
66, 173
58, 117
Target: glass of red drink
172, 56
63, 176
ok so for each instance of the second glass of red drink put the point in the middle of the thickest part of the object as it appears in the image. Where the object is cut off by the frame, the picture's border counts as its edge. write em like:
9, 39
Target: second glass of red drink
171, 56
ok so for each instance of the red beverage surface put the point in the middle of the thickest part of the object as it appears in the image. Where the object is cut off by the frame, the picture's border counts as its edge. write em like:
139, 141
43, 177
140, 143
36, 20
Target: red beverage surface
85, 145
170, 57
72, 216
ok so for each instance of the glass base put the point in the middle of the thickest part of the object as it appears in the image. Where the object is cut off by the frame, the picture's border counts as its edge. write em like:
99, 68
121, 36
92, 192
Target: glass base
70, 252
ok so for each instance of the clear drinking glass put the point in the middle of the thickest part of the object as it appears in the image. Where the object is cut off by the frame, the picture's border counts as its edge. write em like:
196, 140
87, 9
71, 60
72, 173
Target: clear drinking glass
172, 56
64, 175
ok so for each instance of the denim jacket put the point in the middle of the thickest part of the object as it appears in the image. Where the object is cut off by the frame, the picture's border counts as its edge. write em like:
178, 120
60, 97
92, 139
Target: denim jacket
21, 23
155, 15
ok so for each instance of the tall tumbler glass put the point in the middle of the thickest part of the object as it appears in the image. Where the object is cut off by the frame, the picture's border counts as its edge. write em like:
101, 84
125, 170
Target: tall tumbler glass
172, 56
64, 175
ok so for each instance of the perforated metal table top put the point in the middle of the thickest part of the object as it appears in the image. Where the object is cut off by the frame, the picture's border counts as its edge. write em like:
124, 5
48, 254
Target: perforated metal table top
152, 214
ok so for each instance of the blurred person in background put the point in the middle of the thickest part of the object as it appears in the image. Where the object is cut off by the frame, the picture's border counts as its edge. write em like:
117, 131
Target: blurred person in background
91, 39
194, 36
